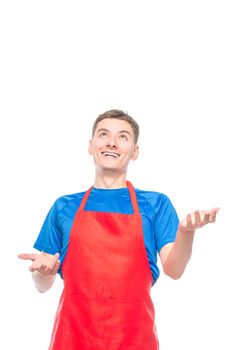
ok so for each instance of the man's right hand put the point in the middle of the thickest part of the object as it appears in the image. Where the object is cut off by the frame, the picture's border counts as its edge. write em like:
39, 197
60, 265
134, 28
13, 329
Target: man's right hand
46, 264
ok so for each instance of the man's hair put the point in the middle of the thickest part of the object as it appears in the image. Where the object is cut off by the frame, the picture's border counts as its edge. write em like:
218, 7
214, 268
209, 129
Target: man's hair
118, 114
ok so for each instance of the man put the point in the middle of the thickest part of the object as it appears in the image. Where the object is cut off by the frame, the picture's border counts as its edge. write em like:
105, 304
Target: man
104, 242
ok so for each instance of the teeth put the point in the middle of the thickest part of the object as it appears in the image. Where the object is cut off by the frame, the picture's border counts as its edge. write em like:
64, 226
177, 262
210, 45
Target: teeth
110, 154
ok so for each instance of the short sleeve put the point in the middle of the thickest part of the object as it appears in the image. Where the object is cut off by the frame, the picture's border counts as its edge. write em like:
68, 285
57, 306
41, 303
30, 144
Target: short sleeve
166, 223
50, 238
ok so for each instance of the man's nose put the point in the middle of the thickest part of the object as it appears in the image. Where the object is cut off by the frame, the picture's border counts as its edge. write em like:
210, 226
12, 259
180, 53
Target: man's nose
112, 142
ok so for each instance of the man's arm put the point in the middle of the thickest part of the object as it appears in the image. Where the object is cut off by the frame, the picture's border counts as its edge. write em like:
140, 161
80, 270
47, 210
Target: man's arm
44, 268
175, 256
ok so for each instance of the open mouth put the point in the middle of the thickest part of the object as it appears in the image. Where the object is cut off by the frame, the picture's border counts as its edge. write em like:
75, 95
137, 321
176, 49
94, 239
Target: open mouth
110, 155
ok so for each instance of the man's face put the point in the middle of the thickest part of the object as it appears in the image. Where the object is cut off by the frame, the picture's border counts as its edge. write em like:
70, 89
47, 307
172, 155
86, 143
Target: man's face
112, 146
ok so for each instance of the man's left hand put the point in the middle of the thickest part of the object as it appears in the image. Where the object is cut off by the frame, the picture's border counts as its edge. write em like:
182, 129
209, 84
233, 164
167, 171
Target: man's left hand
197, 219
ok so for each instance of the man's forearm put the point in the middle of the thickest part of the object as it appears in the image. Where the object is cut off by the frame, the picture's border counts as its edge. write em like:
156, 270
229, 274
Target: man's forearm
179, 255
42, 283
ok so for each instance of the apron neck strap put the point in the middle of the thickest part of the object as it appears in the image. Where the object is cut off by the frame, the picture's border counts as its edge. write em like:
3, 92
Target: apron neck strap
85, 198
132, 196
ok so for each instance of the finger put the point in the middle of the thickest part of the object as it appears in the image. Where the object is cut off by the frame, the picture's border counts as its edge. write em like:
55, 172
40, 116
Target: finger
206, 218
44, 270
198, 222
216, 209
57, 255
24, 256
213, 215
49, 269
189, 222
39, 268
53, 264
56, 267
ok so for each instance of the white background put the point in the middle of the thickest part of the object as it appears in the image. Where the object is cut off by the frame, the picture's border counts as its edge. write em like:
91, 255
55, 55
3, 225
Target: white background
170, 65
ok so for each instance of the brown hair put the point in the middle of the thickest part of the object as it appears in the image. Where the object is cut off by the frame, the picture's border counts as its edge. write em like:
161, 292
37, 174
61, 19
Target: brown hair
118, 114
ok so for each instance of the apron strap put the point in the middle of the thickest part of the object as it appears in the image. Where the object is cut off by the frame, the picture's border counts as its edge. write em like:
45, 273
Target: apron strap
132, 196
85, 198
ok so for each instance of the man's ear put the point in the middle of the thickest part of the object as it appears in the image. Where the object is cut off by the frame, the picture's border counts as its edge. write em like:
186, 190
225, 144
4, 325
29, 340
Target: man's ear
136, 152
90, 149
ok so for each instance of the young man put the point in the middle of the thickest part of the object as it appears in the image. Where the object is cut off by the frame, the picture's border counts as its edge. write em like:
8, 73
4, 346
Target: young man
104, 243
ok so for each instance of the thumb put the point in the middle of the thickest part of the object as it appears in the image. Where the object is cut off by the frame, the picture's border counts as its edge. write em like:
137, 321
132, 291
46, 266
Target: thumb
57, 255
24, 256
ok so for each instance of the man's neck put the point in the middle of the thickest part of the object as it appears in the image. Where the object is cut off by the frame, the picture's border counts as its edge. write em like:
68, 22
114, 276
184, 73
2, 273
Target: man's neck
112, 182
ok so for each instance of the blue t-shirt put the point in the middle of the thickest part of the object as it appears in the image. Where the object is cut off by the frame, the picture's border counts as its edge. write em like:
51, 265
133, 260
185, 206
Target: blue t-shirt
159, 218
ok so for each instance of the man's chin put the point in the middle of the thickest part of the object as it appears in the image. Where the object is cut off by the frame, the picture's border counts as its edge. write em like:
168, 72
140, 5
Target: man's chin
110, 169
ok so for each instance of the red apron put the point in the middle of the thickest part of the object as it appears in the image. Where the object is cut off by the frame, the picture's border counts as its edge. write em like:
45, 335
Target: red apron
106, 303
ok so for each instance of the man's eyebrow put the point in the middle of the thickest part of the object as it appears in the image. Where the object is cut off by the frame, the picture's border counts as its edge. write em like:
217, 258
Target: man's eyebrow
125, 131
103, 129
121, 131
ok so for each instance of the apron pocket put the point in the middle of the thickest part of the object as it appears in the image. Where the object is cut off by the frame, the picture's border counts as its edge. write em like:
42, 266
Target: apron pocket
111, 321
124, 321
84, 317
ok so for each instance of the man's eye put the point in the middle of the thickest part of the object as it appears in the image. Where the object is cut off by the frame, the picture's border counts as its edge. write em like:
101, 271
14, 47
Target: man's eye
103, 134
123, 136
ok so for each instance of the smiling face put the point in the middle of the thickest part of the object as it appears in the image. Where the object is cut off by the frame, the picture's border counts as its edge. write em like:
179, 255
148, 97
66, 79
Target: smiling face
112, 146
